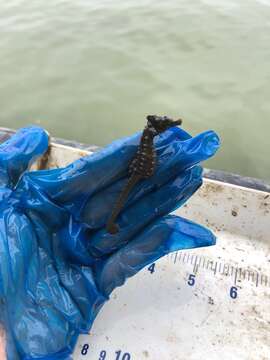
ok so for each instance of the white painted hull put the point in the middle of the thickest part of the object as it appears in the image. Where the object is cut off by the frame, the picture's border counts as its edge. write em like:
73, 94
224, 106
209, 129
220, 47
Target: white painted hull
208, 303
159, 316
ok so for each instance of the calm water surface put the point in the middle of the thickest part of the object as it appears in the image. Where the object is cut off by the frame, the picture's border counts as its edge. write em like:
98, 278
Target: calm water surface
91, 70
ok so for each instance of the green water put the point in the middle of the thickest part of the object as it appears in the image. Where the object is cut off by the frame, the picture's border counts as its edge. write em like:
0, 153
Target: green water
91, 70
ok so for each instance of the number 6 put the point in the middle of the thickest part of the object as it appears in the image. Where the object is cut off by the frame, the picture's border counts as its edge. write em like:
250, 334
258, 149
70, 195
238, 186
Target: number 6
233, 292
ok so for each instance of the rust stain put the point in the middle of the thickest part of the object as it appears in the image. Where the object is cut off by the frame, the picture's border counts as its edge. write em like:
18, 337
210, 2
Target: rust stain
209, 188
82, 153
264, 203
234, 213
146, 353
44, 160
210, 300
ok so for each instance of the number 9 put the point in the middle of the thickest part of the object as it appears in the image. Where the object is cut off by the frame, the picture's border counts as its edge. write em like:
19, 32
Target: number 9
102, 355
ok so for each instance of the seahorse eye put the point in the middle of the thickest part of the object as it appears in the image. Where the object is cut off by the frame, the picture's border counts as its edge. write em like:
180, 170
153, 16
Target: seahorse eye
151, 118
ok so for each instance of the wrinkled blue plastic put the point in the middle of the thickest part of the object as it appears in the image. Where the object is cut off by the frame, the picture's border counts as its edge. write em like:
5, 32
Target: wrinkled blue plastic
58, 265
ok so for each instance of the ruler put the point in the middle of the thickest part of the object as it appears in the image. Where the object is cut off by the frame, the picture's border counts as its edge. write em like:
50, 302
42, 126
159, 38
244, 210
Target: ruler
177, 309
236, 272
211, 303
208, 303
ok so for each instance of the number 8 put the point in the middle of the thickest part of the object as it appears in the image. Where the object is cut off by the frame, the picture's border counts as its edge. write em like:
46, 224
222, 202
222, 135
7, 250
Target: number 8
85, 349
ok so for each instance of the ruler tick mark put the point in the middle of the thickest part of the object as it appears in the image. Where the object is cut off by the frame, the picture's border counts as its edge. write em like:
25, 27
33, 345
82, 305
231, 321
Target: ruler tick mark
203, 266
215, 269
235, 276
257, 279
195, 268
184, 257
240, 273
225, 269
264, 279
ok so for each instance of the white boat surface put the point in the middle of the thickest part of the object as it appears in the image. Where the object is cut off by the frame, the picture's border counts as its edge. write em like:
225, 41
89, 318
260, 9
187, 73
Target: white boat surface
204, 303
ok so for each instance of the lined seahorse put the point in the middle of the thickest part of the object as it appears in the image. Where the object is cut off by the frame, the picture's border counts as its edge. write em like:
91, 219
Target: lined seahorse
143, 165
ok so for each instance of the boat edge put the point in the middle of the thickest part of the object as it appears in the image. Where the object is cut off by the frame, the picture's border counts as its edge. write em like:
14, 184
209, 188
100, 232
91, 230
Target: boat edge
215, 175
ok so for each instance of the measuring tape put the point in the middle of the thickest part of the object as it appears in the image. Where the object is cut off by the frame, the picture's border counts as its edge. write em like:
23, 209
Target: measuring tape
208, 303
211, 303
186, 306
219, 267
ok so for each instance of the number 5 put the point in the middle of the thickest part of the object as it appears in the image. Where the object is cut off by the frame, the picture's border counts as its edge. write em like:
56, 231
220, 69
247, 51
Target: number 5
191, 280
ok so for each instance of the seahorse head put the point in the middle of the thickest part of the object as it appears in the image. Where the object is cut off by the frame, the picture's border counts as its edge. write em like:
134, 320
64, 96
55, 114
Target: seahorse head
161, 123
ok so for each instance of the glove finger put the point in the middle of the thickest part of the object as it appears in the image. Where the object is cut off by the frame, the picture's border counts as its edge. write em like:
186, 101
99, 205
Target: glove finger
172, 159
199, 148
20, 151
168, 234
72, 186
38, 330
85, 246
17, 245
136, 217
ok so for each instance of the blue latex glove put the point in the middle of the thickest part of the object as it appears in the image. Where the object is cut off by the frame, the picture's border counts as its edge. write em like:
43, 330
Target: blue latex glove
58, 264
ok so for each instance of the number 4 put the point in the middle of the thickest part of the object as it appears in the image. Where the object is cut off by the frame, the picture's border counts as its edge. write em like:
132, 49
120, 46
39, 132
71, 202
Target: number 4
151, 268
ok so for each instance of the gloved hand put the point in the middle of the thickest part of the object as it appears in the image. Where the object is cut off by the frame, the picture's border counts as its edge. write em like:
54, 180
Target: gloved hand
58, 265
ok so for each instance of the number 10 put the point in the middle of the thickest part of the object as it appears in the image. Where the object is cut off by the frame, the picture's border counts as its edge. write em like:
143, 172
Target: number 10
126, 356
